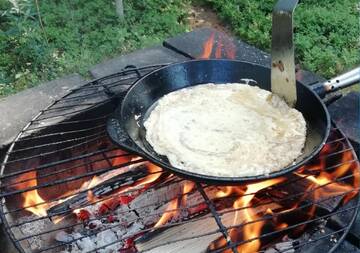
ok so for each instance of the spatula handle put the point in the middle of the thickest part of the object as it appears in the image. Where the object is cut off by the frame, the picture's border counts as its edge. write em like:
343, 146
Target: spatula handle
283, 82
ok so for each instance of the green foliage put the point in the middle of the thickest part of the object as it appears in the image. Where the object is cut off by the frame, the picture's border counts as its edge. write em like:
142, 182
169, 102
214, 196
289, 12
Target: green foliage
76, 35
327, 31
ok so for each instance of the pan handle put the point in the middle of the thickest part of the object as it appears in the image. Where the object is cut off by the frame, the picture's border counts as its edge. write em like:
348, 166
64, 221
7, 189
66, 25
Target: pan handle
347, 79
120, 137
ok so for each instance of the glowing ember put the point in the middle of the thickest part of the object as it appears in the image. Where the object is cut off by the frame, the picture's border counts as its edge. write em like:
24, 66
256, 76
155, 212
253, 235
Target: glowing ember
32, 200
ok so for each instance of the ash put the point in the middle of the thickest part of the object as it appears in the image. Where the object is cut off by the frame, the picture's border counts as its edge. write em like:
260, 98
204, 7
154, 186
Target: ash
101, 235
32, 227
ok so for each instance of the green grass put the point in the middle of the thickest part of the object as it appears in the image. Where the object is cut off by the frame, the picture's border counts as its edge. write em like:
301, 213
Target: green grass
77, 34
327, 31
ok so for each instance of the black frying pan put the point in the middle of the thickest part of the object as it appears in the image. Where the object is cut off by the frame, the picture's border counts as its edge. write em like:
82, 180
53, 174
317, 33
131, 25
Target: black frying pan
126, 126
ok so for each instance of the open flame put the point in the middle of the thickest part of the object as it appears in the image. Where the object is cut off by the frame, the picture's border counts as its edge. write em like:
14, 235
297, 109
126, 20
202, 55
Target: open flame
172, 210
322, 184
245, 214
247, 222
208, 47
252, 230
32, 199
154, 173
223, 45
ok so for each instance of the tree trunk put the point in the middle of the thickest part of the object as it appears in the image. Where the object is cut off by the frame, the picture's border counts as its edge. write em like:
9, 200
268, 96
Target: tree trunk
119, 8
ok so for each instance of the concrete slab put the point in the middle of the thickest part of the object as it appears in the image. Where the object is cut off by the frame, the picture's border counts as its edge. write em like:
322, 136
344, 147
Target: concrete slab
17, 110
346, 114
143, 57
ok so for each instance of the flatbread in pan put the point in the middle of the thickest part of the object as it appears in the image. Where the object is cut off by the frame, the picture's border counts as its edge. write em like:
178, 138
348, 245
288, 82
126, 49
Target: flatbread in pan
233, 130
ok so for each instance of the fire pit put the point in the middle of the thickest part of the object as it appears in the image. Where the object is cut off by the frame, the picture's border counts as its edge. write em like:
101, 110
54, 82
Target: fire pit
66, 188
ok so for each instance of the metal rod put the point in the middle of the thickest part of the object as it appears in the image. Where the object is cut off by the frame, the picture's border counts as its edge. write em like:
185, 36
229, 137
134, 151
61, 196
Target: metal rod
50, 153
216, 216
99, 133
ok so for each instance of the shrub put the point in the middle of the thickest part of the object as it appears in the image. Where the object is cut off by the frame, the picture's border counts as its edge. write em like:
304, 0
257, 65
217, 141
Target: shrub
327, 31
76, 34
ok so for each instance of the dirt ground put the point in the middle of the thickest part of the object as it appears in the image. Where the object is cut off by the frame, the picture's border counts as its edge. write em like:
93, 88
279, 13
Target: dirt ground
203, 16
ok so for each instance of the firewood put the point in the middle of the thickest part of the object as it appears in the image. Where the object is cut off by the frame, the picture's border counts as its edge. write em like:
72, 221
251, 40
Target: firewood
174, 239
103, 189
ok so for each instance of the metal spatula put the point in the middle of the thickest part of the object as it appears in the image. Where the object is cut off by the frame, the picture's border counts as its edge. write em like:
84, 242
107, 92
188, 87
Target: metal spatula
283, 82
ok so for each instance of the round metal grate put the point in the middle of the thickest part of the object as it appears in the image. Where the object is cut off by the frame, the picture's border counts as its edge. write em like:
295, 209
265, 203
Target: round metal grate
66, 145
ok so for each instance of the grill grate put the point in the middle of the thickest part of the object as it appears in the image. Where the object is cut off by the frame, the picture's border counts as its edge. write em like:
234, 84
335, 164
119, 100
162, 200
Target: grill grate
66, 144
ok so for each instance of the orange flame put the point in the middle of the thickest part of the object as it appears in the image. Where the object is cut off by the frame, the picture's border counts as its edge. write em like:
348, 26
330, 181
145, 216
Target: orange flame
224, 47
154, 173
188, 186
208, 46
228, 190
171, 211
325, 185
252, 230
32, 199
153, 170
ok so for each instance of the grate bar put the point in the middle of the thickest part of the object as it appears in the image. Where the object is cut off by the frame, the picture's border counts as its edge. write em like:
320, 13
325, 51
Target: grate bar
61, 115
67, 107
62, 133
52, 152
216, 216
100, 133
68, 122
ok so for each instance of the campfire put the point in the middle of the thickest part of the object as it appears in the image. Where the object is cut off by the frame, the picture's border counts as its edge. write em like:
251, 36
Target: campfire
136, 206
74, 191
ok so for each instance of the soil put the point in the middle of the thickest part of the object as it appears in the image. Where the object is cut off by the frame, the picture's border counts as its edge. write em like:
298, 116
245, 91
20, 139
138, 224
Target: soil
203, 16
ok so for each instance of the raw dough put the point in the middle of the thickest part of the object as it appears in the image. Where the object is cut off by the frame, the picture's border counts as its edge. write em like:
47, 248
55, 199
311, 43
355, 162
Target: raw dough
232, 129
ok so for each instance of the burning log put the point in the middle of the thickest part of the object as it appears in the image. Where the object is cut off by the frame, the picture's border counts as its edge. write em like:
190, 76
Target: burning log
328, 194
145, 207
284, 247
108, 185
193, 234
